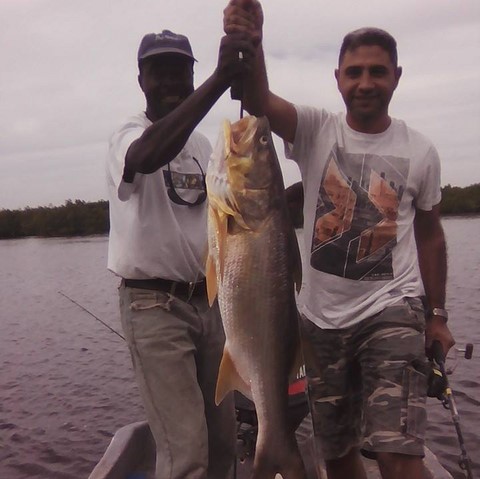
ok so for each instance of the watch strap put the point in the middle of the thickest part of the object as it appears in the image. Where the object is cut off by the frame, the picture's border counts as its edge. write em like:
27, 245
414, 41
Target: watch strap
439, 312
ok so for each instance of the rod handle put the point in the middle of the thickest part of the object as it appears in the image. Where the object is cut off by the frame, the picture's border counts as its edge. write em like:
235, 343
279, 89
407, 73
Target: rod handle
236, 88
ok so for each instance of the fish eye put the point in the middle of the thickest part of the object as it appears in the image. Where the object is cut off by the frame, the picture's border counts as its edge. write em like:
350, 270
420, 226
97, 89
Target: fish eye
264, 140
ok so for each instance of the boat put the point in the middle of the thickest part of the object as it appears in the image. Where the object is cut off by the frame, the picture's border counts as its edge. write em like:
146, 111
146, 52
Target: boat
131, 453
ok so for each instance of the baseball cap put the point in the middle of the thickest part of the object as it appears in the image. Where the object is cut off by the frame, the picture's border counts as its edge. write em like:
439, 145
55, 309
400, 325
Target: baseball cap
165, 42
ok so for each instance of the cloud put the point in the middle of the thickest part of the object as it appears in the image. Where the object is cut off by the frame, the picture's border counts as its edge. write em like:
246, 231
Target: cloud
50, 177
69, 77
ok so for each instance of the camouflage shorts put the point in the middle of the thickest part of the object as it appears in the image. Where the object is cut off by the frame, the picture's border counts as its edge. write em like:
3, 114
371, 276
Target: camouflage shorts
364, 382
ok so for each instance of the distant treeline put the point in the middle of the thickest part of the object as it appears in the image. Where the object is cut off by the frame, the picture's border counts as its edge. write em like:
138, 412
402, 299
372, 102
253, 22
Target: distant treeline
75, 218
79, 218
461, 201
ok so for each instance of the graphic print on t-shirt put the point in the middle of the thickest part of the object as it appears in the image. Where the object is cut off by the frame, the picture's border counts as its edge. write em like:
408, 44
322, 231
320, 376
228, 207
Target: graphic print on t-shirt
355, 226
185, 181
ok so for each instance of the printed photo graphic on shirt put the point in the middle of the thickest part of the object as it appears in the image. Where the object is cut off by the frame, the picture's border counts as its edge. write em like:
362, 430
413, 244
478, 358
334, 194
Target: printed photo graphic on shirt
355, 226
183, 181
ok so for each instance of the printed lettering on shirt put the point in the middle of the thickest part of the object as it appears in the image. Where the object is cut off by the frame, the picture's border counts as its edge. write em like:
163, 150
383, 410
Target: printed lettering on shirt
355, 227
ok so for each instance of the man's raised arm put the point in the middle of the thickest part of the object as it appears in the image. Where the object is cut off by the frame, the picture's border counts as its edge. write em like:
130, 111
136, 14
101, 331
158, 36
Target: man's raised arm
245, 17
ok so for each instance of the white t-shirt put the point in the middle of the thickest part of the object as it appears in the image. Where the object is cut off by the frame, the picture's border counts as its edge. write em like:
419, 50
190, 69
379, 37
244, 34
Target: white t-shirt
361, 191
150, 235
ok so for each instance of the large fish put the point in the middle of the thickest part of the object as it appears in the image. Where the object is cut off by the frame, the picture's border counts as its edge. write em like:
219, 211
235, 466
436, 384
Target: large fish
252, 265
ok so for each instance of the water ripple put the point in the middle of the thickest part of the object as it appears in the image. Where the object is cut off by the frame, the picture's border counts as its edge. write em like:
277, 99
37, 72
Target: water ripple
67, 382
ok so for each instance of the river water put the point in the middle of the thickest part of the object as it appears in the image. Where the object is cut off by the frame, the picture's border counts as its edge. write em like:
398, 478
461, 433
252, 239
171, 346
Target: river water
66, 382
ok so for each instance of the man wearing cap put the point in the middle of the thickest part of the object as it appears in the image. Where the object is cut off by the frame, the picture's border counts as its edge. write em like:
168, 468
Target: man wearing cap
156, 185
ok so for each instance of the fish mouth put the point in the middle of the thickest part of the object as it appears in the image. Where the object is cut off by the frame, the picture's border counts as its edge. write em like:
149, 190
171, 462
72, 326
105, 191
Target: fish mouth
240, 135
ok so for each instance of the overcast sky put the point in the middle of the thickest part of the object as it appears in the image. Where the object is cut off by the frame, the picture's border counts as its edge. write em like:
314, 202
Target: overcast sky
69, 77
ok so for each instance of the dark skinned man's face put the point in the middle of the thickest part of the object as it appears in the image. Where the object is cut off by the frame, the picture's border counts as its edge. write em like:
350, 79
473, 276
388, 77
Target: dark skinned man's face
166, 80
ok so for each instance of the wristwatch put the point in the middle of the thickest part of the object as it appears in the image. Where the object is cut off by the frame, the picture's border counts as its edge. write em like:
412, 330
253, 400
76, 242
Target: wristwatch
439, 312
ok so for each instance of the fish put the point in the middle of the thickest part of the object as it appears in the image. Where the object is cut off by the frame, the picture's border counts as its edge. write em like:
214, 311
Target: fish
254, 269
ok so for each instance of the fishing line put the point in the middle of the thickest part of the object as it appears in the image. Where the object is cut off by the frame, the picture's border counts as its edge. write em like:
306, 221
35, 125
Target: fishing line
91, 314
236, 89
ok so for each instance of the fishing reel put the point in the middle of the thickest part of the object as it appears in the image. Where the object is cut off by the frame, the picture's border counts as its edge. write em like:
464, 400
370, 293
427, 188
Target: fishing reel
436, 383
437, 380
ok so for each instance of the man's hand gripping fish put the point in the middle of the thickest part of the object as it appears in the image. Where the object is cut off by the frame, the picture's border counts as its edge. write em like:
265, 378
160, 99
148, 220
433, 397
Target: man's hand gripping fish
252, 265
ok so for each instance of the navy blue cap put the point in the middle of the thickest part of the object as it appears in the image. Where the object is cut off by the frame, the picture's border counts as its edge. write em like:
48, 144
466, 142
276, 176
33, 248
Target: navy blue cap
165, 42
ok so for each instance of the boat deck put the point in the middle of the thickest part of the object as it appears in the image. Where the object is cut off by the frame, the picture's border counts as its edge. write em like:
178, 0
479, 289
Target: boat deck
131, 454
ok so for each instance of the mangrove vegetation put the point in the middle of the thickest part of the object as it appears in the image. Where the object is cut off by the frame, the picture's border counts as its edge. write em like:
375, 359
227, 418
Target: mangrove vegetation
80, 218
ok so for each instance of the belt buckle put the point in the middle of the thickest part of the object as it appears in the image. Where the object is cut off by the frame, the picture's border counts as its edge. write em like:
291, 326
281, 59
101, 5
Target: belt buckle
191, 288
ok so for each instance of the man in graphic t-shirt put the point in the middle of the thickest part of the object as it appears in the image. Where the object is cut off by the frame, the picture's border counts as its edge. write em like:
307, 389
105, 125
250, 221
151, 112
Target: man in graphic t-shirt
371, 207
158, 238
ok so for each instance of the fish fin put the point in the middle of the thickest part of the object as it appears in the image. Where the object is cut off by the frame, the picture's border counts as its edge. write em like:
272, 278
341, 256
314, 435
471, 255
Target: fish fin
229, 379
210, 264
211, 277
222, 233
219, 221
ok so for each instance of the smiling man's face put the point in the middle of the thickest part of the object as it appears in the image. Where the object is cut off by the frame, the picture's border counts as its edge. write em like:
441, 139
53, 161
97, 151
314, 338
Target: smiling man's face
366, 79
166, 80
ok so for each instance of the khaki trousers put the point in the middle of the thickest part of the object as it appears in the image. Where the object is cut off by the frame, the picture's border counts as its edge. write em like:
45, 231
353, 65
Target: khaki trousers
176, 345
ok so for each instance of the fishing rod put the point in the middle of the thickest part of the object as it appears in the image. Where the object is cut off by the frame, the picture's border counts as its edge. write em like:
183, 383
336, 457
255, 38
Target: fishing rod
91, 314
236, 89
449, 403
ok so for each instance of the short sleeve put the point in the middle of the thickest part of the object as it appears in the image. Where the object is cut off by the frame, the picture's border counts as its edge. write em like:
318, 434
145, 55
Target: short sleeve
119, 144
309, 122
430, 187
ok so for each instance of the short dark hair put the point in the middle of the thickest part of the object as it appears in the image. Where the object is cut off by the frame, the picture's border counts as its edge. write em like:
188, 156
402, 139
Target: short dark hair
369, 36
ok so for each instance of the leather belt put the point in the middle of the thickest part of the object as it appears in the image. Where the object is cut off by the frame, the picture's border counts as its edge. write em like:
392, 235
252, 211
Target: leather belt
176, 288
